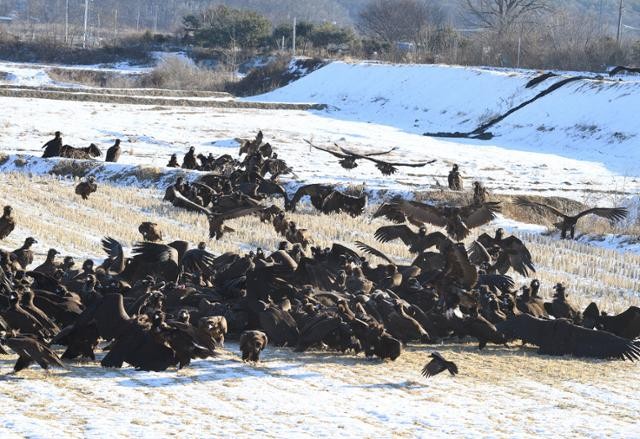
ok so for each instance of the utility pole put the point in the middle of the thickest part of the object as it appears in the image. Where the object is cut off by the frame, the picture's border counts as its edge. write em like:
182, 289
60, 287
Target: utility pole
66, 23
86, 22
620, 21
115, 25
138, 18
155, 20
293, 46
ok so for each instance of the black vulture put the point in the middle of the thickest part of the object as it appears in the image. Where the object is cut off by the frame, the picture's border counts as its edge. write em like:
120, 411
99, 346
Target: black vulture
567, 222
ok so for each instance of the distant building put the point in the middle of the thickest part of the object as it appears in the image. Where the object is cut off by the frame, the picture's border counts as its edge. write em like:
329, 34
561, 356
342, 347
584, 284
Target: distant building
405, 46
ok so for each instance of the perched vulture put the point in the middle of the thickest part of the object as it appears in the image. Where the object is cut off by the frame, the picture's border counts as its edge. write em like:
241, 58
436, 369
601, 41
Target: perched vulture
7, 222
24, 254
86, 188
113, 153
568, 223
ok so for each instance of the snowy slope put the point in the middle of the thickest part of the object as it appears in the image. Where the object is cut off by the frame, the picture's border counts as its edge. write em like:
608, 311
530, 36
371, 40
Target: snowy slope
591, 120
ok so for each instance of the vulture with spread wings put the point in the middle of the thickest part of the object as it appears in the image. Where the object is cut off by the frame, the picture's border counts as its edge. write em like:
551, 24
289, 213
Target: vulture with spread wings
416, 241
458, 221
348, 160
507, 252
561, 337
568, 222
216, 220
387, 168
437, 365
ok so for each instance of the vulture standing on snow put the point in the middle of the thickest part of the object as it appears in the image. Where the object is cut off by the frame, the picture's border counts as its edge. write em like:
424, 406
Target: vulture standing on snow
458, 221
173, 162
561, 337
455, 179
568, 223
52, 147
113, 153
625, 324
437, 365
86, 188
24, 254
29, 350
251, 344
189, 161
7, 222
509, 253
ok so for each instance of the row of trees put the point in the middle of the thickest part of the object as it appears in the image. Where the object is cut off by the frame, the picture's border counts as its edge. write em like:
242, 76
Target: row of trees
526, 33
234, 28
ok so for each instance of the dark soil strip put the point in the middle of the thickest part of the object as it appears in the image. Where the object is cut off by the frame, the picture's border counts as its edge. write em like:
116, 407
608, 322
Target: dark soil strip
124, 91
136, 100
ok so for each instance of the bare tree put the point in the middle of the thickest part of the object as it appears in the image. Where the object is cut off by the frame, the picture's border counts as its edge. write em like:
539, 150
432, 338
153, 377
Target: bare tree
502, 15
398, 20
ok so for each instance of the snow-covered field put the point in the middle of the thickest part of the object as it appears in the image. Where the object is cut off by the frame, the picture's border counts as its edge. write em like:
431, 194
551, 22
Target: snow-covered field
578, 142
512, 393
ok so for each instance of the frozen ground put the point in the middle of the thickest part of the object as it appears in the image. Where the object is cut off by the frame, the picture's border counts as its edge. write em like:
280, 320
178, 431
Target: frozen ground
500, 392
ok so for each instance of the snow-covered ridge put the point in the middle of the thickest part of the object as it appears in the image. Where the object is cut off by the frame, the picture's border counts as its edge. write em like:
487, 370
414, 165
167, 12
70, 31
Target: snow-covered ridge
593, 119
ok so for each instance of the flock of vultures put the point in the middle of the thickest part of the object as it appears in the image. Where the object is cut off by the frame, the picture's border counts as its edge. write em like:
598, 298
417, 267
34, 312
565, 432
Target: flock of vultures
166, 303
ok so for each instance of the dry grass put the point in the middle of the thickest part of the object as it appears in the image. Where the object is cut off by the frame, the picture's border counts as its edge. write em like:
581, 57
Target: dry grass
178, 73
47, 208
50, 211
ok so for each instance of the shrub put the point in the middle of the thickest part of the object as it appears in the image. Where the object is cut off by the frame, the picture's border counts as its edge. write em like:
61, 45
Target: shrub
179, 73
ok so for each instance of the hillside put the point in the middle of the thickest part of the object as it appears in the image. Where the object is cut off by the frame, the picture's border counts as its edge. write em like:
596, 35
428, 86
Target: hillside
591, 120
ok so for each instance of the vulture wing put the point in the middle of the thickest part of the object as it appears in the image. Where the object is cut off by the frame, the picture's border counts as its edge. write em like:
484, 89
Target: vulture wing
363, 156
521, 201
153, 252
333, 203
391, 233
114, 249
390, 211
612, 214
474, 216
478, 253
267, 187
584, 342
423, 212
515, 255
334, 153
197, 260
372, 251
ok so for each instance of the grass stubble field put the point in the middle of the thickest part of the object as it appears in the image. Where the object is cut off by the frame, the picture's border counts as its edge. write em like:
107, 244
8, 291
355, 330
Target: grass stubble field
499, 392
